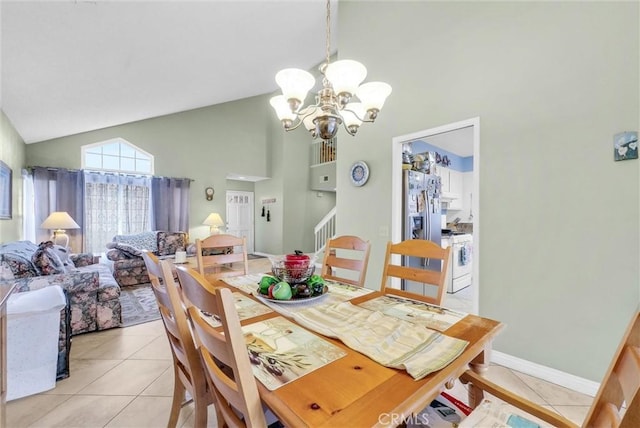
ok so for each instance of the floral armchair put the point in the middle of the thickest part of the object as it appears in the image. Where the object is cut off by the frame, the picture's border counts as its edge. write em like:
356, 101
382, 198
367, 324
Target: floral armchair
125, 251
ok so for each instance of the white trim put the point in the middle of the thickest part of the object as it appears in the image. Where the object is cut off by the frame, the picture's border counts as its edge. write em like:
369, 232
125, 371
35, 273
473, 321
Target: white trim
396, 192
575, 383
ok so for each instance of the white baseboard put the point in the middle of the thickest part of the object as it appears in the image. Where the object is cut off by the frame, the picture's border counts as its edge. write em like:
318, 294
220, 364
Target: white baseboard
257, 253
549, 374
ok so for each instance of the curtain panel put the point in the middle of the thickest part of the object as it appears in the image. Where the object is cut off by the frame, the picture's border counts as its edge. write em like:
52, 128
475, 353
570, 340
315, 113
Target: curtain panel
170, 201
59, 189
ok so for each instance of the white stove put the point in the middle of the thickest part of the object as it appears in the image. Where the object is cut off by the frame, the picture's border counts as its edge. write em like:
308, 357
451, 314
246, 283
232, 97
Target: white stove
461, 266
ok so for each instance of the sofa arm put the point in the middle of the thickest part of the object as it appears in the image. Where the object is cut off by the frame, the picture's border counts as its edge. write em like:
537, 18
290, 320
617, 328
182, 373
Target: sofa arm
82, 259
71, 282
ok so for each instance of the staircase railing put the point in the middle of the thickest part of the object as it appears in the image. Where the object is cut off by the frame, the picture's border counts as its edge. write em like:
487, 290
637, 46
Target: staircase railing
325, 229
324, 152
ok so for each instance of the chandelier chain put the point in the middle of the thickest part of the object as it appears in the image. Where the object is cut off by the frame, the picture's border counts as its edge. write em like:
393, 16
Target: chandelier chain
328, 30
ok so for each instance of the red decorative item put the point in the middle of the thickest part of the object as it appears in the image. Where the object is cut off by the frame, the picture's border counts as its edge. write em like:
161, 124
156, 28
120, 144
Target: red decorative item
298, 260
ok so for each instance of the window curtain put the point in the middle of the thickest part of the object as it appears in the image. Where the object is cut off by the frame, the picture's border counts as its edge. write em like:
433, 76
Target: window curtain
116, 204
29, 224
170, 201
58, 189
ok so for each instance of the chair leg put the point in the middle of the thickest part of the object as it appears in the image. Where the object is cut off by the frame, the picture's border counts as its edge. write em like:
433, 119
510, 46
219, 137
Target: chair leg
178, 398
200, 405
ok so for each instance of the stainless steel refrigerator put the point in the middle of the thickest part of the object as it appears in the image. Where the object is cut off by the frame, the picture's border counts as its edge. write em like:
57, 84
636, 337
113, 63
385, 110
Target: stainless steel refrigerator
421, 218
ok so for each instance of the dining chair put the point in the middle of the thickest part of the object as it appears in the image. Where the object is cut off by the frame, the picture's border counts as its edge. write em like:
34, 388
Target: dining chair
188, 372
422, 249
617, 403
232, 381
335, 257
213, 261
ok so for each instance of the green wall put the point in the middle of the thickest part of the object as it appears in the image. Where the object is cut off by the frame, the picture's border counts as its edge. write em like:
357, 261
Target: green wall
205, 145
12, 152
552, 82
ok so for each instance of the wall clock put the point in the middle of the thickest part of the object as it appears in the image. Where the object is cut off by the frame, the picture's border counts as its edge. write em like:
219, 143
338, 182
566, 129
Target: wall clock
359, 173
209, 193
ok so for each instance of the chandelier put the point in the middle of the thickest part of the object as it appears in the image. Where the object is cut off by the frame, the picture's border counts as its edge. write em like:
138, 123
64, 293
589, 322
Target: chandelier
335, 103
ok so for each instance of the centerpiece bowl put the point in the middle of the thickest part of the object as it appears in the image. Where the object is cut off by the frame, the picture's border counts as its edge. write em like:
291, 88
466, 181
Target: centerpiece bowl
293, 269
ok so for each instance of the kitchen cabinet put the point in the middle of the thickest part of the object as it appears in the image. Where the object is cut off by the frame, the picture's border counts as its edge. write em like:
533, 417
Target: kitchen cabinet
452, 188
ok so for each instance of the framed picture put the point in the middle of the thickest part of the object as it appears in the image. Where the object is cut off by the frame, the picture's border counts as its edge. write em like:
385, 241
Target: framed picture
625, 146
5, 191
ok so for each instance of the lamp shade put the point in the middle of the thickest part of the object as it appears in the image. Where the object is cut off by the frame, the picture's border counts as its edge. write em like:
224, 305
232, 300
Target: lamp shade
345, 75
373, 94
281, 106
59, 220
353, 113
295, 83
213, 219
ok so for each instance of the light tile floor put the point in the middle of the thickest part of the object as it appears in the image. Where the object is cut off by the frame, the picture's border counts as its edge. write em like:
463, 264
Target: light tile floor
123, 378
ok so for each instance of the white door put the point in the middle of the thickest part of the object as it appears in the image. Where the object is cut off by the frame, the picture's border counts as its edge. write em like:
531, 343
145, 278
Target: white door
240, 216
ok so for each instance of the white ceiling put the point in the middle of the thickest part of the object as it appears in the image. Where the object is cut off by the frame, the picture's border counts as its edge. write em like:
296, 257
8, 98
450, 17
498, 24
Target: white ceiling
75, 66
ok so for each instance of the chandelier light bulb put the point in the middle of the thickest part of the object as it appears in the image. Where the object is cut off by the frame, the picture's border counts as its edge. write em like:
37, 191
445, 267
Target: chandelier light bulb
345, 76
283, 111
373, 95
295, 84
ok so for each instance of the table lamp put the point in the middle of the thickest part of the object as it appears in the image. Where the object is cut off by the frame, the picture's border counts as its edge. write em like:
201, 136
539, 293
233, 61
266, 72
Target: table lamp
59, 221
213, 221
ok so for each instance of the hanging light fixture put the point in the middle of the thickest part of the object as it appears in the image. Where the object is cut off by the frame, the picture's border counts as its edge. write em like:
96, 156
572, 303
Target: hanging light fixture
335, 103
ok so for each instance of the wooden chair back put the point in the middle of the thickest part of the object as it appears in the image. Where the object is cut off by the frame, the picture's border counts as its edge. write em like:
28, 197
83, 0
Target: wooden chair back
335, 257
218, 265
617, 403
232, 381
620, 385
188, 370
417, 248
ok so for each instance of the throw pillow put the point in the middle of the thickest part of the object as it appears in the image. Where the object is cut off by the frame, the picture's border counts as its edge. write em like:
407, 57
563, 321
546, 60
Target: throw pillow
64, 255
170, 242
129, 250
46, 260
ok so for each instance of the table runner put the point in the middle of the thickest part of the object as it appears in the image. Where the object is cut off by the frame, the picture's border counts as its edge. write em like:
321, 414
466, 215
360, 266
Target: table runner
415, 312
388, 340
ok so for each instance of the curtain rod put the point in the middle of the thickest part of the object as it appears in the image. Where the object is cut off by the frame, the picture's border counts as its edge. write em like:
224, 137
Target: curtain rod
53, 168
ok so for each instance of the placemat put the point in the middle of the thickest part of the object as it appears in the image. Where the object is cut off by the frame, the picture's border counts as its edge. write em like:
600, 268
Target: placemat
247, 308
414, 311
281, 351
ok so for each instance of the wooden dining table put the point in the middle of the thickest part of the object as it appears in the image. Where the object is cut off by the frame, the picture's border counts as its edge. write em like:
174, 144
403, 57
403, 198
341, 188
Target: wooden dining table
356, 391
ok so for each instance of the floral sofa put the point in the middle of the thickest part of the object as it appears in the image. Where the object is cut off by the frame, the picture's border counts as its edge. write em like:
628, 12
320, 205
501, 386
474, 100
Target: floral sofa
93, 296
125, 251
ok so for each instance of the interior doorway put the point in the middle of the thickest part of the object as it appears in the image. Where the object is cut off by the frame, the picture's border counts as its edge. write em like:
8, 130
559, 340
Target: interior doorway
440, 134
240, 216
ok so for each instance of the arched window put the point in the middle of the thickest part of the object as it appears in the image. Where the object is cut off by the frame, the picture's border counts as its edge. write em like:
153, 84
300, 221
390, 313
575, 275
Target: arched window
117, 155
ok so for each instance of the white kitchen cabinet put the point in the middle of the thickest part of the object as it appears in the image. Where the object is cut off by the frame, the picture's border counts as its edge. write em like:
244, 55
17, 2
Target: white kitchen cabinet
451, 188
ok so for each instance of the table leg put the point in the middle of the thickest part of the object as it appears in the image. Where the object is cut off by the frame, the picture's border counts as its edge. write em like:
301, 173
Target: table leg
479, 365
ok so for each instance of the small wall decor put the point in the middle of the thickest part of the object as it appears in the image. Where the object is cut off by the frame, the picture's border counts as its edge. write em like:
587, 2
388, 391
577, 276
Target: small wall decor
5, 191
359, 173
209, 193
625, 146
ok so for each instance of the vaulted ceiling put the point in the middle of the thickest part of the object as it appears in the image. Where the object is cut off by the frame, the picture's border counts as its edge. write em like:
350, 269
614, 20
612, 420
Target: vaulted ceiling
75, 66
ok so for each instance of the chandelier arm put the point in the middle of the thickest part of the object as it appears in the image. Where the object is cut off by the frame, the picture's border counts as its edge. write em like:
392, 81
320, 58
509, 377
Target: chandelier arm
365, 120
344, 125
